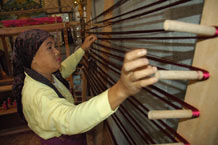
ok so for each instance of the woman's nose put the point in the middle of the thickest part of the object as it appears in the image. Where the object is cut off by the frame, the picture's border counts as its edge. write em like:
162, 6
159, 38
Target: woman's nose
57, 52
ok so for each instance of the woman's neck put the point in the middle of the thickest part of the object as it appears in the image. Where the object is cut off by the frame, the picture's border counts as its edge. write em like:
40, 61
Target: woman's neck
45, 74
48, 76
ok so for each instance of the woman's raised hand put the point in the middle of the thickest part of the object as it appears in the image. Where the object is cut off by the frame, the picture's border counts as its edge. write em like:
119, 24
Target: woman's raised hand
136, 74
88, 42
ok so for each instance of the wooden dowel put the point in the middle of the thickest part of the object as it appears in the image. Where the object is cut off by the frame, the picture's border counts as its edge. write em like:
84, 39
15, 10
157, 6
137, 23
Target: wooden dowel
171, 25
166, 114
170, 144
7, 81
5, 88
179, 75
8, 111
98, 25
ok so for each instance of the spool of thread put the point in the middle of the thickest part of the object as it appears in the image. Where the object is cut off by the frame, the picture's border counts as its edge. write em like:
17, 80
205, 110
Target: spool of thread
5, 105
9, 101
14, 103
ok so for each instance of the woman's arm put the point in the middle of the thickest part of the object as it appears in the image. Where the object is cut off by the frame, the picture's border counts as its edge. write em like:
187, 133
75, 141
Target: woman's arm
56, 114
68, 66
46, 112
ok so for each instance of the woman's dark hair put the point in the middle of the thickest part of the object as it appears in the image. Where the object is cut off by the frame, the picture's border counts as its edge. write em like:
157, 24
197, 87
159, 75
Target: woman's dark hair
26, 45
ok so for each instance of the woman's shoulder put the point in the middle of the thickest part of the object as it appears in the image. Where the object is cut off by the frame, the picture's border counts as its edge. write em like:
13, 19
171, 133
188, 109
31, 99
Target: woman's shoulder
31, 84
36, 89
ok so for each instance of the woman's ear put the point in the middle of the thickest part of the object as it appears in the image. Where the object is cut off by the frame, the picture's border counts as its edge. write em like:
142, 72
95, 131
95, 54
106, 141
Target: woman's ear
34, 62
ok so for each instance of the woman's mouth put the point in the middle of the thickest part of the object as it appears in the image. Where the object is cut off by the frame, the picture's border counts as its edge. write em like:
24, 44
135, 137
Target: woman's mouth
59, 59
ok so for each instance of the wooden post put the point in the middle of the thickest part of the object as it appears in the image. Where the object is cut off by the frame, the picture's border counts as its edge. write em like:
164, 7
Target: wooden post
90, 134
67, 51
4, 43
100, 128
88, 12
57, 35
101, 131
108, 140
204, 95
84, 80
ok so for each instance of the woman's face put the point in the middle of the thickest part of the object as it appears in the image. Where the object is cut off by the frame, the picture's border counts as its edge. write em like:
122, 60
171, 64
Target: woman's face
47, 58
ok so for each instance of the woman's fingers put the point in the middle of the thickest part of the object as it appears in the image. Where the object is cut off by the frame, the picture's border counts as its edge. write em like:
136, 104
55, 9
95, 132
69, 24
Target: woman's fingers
146, 82
135, 72
142, 73
88, 42
91, 38
132, 55
132, 65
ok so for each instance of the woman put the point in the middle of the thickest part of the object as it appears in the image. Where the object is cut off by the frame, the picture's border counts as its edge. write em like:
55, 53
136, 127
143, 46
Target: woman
46, 102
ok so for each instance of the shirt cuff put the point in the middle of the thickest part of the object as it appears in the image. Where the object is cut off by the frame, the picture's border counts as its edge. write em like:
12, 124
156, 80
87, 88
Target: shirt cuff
80, 51
104, 105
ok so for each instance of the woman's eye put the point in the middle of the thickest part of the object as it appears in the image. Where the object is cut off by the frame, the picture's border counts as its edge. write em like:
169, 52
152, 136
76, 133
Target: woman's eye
50, 47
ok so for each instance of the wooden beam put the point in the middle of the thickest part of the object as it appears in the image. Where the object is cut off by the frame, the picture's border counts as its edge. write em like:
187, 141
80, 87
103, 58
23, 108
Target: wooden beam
98, 25
32, 10
47, 27
5, 88
204, 95
23, 11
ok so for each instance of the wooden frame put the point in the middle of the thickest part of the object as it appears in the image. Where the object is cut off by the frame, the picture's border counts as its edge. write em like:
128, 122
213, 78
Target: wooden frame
203, 95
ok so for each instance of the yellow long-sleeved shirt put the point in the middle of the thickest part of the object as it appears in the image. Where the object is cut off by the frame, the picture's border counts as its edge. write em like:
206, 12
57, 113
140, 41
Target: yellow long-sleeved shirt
50, 116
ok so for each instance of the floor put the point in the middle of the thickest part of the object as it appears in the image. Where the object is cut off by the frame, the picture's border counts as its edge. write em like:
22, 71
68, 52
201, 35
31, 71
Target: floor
14, 131
25, 138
